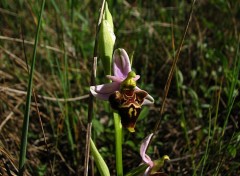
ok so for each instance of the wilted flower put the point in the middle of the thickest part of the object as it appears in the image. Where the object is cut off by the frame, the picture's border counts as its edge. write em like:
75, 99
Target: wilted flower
123, 94
153, 166
145, 158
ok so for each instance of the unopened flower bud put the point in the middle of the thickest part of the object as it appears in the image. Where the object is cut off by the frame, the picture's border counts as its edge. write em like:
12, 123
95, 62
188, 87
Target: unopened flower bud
106, 40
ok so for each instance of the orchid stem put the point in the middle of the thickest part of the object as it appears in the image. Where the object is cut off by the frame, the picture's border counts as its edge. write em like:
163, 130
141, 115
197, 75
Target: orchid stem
118, 143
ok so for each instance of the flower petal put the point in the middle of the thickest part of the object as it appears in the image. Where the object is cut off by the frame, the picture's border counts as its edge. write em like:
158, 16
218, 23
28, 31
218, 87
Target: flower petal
146, 159
115, 78
136, 77
121, 63
119, 80
105, 90
148, 99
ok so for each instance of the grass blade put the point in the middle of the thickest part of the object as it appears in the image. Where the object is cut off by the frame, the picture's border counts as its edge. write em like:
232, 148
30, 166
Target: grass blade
23, 147
101, 165
233, 86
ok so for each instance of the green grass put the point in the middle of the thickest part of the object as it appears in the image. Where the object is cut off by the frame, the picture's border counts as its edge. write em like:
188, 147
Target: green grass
199, 129
24, 138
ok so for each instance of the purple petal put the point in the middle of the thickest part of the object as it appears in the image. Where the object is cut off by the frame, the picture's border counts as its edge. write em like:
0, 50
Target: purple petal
105, 90
115, 78
148, 99
121, 63
146, 159
118, 79
136, 77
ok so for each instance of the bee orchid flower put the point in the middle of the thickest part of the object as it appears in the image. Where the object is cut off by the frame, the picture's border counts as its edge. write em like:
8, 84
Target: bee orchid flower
122, 93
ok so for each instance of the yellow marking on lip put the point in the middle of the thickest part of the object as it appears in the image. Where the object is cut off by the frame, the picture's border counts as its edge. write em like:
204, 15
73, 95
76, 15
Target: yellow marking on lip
130, 112
131, 129
135, 112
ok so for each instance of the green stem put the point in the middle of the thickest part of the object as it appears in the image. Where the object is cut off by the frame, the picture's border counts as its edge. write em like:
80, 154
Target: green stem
24, 137
118, 143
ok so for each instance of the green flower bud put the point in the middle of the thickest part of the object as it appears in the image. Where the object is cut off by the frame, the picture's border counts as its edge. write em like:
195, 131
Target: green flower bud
107, 15
106, 40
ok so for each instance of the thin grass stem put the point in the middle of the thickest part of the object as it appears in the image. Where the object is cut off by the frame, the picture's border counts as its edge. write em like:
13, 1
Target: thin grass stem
206, 153
170, 75
232, 97
24, 137
90, 101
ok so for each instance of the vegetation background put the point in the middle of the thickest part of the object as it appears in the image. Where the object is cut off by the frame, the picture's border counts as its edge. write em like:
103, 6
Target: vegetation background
200, 127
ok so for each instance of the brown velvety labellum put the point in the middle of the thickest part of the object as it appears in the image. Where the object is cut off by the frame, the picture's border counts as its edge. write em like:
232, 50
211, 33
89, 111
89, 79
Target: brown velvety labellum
128, 104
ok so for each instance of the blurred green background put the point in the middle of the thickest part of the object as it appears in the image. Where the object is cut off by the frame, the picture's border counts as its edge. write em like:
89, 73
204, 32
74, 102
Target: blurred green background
200, 127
